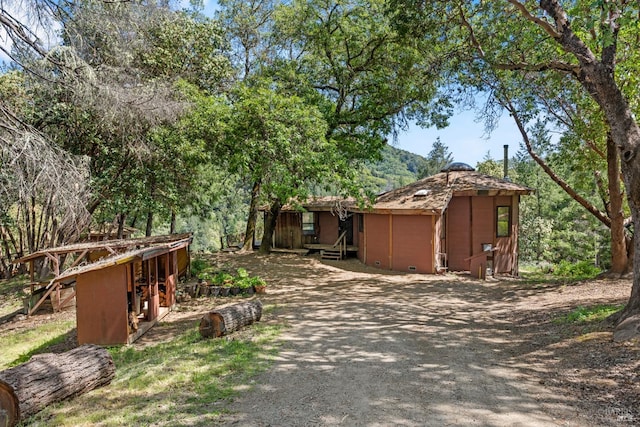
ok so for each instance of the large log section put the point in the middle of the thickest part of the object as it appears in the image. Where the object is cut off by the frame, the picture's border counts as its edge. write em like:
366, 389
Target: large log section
228, 319
48, 378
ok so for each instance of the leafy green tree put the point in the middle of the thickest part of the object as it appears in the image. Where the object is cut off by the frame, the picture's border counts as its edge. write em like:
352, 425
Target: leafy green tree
278, 142
438, 158
582, 45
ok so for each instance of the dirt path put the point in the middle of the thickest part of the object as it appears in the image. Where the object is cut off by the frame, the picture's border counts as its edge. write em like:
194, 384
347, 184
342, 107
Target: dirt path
364, 348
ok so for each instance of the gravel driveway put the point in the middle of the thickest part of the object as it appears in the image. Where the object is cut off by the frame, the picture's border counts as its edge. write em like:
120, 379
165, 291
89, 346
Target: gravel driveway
369, 348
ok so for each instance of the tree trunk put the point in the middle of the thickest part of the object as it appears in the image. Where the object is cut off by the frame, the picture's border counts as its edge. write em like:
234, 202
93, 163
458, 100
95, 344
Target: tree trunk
253, 214
270, 227
149, 228
228, 319
48, 378
598, 80
619, 261
121, 222
172, 226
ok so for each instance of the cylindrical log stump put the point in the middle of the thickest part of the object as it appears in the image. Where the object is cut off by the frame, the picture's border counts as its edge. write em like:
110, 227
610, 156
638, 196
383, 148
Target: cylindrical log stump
228, 319
48, 378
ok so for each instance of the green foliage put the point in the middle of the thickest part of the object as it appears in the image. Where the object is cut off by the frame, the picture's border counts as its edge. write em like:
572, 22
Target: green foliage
395, 169
198, 266
576, 271
582, 314
438, 158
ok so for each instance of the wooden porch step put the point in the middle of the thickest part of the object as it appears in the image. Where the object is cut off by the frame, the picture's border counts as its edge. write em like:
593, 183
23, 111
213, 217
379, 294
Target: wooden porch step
331, 254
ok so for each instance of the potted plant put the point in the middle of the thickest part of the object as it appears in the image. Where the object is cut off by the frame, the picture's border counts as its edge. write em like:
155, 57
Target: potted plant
259, 285
222, 281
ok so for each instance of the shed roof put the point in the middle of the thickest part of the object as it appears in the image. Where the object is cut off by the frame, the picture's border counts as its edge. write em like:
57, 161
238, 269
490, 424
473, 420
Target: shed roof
112, 246
125, 257
433, 193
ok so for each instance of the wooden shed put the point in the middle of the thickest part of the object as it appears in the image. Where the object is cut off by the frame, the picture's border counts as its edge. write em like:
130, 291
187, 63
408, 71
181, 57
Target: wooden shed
121, 287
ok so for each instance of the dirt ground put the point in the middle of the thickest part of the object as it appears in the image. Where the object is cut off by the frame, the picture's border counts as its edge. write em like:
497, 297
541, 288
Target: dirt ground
366, 347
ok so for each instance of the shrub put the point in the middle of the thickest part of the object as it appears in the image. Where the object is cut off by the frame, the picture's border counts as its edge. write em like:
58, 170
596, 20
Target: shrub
578, 271
589, 314
198, 266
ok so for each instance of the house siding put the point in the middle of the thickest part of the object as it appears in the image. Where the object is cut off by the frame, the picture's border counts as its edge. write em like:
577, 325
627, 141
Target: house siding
506, 254
412, 243
327, 228
377, 234
288, 232
482, 223
101, 301
458, 243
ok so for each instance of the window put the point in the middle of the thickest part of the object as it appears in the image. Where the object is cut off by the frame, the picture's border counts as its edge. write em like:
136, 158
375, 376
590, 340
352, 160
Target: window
360, 223
503, 221
308, 223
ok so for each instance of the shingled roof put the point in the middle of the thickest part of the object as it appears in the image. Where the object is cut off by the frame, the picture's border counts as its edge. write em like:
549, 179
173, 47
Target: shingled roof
434, 192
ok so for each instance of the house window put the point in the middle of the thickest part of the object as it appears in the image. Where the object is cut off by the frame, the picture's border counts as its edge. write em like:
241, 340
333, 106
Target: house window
308, 223
360, 223
503, 221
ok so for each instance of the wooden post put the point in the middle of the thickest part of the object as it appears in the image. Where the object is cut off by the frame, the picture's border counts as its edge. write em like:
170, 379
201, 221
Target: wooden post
228, 319
48, 378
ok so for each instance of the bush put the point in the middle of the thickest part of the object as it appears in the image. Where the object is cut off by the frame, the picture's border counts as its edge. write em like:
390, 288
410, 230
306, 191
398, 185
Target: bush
596, 313
198, 266
578, 271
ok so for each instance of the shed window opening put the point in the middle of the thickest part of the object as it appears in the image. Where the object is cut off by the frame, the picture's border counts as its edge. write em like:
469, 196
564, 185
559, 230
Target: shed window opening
308, 223
503, 221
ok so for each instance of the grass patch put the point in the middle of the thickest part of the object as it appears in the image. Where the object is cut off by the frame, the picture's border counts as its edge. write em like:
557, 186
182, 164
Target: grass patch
18, 346
12, 293
592, 314
185, 381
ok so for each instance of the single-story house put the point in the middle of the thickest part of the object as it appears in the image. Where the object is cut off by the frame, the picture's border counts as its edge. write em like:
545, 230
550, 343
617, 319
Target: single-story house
457, 220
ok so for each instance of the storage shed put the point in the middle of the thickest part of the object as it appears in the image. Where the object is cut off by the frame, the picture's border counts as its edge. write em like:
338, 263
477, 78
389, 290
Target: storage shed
121, 287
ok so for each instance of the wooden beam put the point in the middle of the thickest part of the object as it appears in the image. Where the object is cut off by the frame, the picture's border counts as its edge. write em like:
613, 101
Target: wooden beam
79, 258
51, 287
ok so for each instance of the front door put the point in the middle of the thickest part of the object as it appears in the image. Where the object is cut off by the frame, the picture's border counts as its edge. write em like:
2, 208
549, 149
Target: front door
346, 224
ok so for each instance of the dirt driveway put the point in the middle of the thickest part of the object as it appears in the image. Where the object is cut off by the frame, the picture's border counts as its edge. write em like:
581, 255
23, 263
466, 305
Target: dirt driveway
370, 348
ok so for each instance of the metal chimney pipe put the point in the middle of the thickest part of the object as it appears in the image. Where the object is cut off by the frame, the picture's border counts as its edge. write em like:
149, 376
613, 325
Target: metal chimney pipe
505, 162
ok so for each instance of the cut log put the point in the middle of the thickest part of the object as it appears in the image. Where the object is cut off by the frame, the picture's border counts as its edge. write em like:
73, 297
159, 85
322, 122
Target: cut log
228, 319
48, 378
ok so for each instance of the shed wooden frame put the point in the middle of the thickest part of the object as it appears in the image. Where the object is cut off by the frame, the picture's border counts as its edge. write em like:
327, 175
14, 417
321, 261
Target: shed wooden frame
108, 277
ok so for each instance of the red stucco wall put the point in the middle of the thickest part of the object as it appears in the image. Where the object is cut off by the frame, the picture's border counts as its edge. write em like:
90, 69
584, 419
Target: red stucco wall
483, 222
458, 242
412, 248
377, 240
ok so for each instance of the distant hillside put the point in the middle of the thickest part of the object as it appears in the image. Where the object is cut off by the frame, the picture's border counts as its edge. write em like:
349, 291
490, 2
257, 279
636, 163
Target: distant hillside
397, 168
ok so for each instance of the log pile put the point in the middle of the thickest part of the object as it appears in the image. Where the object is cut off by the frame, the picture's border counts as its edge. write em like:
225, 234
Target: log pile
47, 378
228, 319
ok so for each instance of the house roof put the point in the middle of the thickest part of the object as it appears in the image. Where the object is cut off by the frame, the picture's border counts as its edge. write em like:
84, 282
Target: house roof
320, 203
430, 195
433, 193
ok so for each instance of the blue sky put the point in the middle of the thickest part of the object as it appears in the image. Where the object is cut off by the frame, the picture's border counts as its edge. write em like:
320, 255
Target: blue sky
465, 138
